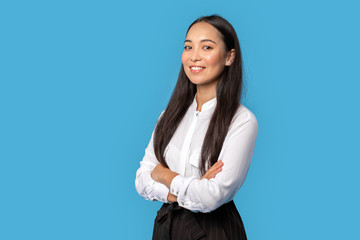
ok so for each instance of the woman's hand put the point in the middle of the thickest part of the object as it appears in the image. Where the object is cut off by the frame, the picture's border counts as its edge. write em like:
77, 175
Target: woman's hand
215, 169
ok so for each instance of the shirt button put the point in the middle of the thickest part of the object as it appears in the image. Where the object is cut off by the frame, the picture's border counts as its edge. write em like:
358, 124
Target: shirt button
177, 193
182, 202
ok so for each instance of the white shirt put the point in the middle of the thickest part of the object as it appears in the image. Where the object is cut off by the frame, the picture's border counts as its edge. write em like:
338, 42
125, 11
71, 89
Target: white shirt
183, 157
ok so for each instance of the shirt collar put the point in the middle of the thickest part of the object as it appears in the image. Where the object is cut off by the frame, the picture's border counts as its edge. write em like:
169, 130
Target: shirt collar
206, 106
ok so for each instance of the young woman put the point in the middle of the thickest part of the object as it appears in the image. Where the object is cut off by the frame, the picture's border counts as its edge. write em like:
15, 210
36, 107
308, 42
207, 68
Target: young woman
203, 142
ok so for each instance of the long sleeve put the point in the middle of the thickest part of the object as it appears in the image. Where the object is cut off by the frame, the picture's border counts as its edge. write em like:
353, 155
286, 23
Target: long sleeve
202, 195
144, 184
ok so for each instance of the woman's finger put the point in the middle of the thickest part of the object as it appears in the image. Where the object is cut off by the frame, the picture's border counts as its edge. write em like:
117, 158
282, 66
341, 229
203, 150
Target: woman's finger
217, 165
215, 169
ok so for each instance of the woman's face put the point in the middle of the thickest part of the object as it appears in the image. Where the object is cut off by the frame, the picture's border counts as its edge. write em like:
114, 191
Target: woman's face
204, 56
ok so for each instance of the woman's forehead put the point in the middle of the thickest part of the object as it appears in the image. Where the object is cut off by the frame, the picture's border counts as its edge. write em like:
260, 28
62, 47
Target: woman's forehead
203, 30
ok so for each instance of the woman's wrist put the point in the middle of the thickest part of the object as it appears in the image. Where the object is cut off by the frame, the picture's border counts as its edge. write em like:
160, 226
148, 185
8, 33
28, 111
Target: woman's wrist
168, 177
171, 197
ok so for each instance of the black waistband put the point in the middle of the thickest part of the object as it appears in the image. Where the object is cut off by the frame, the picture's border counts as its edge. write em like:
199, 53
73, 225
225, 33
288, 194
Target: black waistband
167, 211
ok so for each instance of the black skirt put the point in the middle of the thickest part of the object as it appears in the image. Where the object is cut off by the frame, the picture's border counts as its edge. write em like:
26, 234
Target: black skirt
177, 223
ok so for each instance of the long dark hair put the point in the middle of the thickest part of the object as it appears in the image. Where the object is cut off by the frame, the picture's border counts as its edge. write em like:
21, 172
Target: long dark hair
228, 96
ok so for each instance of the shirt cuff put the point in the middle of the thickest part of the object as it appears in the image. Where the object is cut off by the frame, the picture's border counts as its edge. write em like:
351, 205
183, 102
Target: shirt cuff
161, 192
176, 184
179, 184
179, 187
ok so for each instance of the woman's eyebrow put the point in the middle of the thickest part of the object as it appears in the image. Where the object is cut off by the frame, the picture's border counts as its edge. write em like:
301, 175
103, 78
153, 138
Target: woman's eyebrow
202, 40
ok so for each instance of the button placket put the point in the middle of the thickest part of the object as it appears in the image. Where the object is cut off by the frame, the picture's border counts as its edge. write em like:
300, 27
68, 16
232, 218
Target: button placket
186, 146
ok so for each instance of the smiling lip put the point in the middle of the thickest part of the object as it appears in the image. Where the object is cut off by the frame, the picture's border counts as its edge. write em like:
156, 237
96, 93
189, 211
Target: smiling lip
196, 69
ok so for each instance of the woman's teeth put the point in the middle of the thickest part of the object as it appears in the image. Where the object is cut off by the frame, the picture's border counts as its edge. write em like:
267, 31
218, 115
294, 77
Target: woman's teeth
197, 68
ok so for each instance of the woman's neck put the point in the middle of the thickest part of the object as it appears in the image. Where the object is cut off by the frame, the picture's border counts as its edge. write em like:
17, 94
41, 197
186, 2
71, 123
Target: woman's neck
204, 94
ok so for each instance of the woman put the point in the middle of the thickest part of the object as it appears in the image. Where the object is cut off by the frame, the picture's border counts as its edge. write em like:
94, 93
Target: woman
203, 142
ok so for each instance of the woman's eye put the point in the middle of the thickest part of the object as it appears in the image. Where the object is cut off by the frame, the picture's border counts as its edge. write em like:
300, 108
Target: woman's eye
187, 47
207, 47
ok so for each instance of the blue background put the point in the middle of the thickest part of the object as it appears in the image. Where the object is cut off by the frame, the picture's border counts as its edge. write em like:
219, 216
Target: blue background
83, 82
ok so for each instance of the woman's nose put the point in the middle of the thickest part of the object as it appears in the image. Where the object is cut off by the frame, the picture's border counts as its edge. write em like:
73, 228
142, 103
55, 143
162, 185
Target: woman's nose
195, 55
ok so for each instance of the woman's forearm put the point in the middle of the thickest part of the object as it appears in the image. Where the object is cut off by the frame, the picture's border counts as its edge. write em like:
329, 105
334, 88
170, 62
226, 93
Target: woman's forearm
163, 175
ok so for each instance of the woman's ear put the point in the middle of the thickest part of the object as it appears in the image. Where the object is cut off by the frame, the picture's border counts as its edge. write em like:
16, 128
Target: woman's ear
230, 57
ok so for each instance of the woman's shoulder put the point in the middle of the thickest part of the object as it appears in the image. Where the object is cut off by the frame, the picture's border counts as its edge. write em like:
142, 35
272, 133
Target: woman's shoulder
243, 117
243, 114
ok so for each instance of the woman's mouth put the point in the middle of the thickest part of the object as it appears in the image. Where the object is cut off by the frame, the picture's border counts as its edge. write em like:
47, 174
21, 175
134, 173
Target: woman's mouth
196, 69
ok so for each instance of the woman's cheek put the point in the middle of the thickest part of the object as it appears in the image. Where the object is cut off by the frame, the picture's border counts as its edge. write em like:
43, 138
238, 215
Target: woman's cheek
212, 59
184, 58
